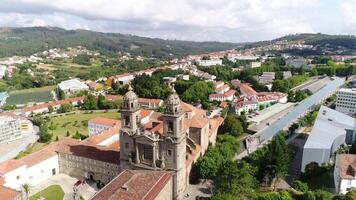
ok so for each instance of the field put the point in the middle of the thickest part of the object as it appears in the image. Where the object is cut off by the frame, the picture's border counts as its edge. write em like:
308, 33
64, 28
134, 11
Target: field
30, 95
53, 192
75, 122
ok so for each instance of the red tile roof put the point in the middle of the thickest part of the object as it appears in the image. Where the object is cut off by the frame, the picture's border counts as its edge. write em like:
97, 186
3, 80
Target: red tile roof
8, 194
246, 89
146, 101
135, 185
347, 166
104, 121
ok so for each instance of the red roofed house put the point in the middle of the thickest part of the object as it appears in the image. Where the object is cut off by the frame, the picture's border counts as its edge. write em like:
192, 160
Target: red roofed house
345, 173
227, 96
99, 124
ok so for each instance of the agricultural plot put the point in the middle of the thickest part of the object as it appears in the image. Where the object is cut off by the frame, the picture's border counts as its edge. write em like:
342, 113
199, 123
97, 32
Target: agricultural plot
30, 95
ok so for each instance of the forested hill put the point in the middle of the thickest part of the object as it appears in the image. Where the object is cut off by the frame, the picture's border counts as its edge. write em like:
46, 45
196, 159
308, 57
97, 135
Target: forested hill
331, 43
26, 41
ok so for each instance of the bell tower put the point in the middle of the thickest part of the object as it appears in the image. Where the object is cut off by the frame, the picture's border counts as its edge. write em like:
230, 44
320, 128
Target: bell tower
130, 111
130, 123
176, 142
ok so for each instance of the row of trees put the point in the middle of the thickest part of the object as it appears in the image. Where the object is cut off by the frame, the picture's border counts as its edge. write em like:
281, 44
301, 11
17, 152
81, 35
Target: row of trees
287, 84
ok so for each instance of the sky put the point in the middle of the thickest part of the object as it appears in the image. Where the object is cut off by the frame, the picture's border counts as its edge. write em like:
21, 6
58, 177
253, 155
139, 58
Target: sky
198, 20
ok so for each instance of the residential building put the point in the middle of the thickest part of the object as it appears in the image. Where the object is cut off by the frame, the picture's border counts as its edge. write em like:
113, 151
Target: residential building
71, 86
169, 80
99, 124
227, 96
234, 57
150, 103
208, 63
94, 85
9, 129
267, 78
221, 89
345, 173
3, 97
245, 105
331, 130
346, 100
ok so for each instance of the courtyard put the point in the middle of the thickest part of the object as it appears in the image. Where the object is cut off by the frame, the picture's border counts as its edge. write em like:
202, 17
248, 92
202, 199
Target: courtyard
62, 183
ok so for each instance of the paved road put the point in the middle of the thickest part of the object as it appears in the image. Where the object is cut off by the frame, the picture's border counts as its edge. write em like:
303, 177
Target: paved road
11, 149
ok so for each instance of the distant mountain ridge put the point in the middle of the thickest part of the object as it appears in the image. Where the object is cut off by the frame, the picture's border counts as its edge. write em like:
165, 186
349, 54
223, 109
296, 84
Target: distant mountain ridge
29, 40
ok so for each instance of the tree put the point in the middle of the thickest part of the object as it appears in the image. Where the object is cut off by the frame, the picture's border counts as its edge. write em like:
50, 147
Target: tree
290, 97
50, 109
351, 195
61, 95
68, 134
101, 102
232, 125
309, 195
300, 186
89, 103
44, 135
322, 194
67, 107
198, 92
26, 188
223, 196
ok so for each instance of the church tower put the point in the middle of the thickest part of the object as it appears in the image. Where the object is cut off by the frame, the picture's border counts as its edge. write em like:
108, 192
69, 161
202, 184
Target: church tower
175, 143
130, 123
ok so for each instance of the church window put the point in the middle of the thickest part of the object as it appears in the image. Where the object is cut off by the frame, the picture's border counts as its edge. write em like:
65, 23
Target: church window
147, 152
127, 145
127, 121
18, 177
169, 152
170, 126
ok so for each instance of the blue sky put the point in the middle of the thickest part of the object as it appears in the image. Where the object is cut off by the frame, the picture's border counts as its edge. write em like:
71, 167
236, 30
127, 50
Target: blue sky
218, 20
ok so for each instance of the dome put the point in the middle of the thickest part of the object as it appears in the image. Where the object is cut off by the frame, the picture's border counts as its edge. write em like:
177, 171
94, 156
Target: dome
130, 95
173, 99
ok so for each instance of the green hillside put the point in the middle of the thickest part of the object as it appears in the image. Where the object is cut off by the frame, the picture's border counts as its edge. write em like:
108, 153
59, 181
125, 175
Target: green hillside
26, 41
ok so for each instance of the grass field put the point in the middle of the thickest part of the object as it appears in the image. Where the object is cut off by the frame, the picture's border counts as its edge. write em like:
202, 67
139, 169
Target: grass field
75, 122
53, 192
30, 95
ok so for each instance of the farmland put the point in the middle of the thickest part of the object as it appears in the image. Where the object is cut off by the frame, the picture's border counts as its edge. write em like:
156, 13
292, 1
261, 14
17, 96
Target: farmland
30, 95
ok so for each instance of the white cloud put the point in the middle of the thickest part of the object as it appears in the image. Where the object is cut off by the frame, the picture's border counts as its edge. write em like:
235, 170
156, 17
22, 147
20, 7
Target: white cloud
226, 20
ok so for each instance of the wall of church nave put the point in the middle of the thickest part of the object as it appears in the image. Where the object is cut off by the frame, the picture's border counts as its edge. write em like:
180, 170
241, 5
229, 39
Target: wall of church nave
33, 175
82, 168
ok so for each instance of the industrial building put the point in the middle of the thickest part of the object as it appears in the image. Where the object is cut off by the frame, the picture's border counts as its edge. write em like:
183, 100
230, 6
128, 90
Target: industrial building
331, 129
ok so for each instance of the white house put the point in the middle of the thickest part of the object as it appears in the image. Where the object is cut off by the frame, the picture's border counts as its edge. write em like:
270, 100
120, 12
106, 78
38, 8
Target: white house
345, 173
211, 62
227, 96
99, 124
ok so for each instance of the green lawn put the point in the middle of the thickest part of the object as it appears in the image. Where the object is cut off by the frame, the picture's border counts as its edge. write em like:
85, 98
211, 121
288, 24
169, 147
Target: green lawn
76, 122
30, 95
53, 192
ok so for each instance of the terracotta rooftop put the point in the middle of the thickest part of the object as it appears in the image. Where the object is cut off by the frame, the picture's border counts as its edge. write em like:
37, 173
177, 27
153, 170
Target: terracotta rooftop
135, 185
246, 89
146, 101
8, 194
104, 121
347, 166
221, 88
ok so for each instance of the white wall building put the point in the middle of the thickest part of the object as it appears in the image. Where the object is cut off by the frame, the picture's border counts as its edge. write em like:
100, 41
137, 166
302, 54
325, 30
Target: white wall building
71, 86
254, 64
99, 124
32, 172
331, 129
9, 129
345, 173
346, 100
211, 62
